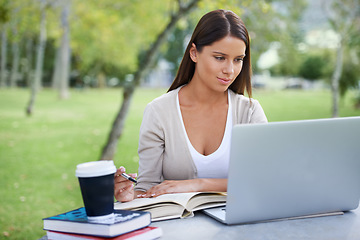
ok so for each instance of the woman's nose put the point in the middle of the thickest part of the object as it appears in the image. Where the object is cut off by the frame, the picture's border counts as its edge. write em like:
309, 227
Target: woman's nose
228, 67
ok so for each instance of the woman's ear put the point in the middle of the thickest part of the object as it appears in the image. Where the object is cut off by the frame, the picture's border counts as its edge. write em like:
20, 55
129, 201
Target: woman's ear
193, 53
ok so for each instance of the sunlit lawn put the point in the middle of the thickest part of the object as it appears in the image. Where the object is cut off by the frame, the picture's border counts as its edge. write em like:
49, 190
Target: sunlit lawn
38, 154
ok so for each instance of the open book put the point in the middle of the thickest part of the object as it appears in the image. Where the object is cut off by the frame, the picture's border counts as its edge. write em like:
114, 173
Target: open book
175, 205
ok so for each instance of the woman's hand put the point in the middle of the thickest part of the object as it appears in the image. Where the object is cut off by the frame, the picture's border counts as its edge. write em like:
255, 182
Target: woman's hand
171, 186
123, 189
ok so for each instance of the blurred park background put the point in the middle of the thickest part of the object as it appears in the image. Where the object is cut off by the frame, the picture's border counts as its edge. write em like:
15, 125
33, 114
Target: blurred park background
75, 77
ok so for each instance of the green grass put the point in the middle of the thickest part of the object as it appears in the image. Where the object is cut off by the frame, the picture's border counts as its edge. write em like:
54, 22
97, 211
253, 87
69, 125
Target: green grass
285, 105
38, 154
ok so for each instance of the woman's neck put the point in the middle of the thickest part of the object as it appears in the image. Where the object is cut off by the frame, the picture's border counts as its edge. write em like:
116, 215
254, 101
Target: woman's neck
194, 93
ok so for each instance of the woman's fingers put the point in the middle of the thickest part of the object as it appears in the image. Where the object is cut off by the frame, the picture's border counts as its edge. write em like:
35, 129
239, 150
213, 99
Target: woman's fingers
124, 191
171, 186
162, 188
123, 188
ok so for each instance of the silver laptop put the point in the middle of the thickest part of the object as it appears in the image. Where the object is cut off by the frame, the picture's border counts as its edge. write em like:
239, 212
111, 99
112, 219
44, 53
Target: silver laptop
292, 169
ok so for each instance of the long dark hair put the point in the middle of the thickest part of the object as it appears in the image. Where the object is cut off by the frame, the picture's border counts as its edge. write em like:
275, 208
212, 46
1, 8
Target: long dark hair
212, 27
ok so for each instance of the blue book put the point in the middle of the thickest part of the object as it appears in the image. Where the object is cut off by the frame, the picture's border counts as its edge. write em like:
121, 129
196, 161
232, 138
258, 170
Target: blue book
76, 221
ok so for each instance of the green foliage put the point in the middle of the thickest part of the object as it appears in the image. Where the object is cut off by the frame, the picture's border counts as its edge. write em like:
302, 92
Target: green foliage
288, 35
312, 68
290, 60
108, 37
4, 11
357, 101
176, 45
114, 33
276, 21
350, 77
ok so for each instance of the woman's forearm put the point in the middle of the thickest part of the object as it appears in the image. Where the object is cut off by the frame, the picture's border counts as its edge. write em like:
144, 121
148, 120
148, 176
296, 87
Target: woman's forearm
212, 184
191, 185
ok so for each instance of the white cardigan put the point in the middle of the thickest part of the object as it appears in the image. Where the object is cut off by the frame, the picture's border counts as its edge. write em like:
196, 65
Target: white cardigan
163, 150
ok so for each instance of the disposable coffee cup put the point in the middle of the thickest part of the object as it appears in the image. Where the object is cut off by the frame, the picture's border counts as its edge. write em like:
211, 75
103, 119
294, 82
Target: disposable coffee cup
96, 181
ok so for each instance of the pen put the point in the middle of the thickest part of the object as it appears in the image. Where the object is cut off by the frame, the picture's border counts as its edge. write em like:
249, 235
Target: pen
129, 178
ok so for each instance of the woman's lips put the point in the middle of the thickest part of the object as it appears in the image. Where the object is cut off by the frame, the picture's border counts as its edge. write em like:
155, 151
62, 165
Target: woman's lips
224, 80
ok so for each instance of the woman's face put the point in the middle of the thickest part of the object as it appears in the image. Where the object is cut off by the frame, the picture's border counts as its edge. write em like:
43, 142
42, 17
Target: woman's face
218, 64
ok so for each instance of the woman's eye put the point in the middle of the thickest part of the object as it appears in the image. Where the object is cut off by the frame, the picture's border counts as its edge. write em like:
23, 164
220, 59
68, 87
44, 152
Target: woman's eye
239, 59
219, 58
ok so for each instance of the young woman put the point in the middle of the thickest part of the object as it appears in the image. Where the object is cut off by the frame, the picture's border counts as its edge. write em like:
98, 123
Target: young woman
184, 143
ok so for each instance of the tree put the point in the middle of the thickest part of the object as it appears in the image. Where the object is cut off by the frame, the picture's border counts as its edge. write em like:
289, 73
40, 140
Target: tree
62, 62
350, 78
344, 19
15, 47
28, 61
109, 149
36, 83
285, 32
3, 74
4, 18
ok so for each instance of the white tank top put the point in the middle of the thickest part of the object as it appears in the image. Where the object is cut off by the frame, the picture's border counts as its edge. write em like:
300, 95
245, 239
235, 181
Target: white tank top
215, 165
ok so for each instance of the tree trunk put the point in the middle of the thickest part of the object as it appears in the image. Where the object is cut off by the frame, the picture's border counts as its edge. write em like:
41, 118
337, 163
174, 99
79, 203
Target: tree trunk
109, 149
28, 70
335, 79
36, 83
65, 53
3, 74
15, 54
101, 79
118, 125
55, 81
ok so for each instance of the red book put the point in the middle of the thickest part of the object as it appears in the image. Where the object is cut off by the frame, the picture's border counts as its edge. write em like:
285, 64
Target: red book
141, 234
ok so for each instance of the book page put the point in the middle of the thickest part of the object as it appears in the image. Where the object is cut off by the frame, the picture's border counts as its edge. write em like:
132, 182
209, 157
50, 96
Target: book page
206, 200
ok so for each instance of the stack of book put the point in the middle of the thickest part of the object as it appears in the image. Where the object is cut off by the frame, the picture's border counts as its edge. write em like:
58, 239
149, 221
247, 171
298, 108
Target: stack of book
74, 225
